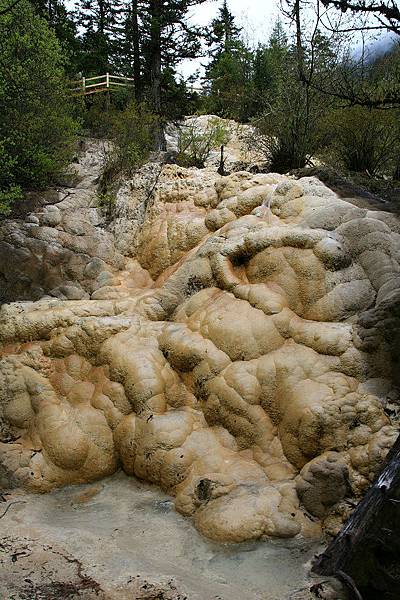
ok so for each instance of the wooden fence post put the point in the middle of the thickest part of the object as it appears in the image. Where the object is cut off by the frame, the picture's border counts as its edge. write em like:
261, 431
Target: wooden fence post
84, 84
108, 92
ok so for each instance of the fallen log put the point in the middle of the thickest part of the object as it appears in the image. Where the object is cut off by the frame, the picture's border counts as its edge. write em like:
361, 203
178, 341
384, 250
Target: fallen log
367, 549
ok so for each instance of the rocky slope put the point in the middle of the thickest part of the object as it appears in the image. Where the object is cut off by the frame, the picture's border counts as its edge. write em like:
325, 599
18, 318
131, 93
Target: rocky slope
224, 339
61, 249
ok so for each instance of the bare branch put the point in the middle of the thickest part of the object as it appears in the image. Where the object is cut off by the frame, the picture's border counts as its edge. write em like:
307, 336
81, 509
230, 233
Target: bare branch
390, 12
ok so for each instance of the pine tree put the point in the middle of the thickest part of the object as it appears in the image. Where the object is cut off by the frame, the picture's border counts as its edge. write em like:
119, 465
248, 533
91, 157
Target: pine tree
224, 31
229, 71
99, 20
270, 65
133, 41
166, 39
144, 39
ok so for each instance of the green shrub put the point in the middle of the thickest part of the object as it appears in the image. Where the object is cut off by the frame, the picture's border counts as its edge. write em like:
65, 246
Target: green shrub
106, 202
98, 112
132, 135
9, 192
195, 142
364, 140
8, 197
36, 127
289, 132
97, 121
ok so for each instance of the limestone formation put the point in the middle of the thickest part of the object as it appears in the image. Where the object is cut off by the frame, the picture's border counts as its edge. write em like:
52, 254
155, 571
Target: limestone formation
239, 146
232, 356
61, 249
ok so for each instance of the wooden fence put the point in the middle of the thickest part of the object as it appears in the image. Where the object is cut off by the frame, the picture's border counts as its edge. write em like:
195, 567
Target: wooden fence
108, 83
100, 83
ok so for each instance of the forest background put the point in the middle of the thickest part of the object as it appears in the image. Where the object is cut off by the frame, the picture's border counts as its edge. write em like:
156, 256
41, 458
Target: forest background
318, 92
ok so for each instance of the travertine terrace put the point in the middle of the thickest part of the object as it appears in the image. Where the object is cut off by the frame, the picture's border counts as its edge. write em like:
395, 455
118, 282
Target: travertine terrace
222, 339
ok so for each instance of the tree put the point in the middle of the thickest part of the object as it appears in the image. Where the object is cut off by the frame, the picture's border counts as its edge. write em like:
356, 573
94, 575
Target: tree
230, 77
353, 79
229, 71
269, 66
289, 126
131, 47
36, 130
167, 39
224, 31
64, 26
144, 39
367, 82
99, 20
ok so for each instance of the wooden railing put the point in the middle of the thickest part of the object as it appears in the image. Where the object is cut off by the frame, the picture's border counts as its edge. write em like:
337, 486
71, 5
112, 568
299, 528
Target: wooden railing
100, 83
108, 83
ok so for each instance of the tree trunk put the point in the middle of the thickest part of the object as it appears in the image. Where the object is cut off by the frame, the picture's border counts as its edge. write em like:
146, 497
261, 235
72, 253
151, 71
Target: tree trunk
366, 551
101, 30
155, 69
396, 173
136, 52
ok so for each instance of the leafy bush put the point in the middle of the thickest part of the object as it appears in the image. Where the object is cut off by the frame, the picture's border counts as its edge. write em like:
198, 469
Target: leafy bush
36, 128
8, 197
97, 121
98, 112
9, 192
132, 133
106, 202
195, 142
289, 131
364, 140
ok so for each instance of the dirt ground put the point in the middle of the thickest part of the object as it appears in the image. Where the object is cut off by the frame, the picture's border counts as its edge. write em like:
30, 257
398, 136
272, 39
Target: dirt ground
122, 539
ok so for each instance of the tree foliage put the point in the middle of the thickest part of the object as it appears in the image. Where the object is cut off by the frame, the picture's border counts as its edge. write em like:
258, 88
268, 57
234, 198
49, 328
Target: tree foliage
229, 72
195, 143
299, 89
98, 20
36, 129
65, 27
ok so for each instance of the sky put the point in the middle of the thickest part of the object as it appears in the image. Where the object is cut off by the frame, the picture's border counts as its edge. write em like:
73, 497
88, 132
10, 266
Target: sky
257, 18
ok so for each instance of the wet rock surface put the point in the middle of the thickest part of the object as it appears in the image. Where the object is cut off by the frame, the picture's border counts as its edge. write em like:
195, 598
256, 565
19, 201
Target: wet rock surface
121, 539
229, 347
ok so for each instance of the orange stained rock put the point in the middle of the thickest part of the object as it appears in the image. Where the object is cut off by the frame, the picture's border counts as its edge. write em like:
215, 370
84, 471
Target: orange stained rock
247, 382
